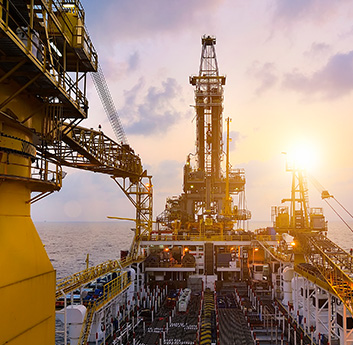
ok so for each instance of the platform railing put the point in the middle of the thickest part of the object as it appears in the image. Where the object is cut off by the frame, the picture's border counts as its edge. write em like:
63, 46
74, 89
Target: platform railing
76, 280
171, 237
32, 45
37, 170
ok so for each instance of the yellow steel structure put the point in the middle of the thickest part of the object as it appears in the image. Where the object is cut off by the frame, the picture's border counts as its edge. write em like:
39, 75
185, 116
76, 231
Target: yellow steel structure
44, 57
140, 193
92, 150
227, 203
315, 255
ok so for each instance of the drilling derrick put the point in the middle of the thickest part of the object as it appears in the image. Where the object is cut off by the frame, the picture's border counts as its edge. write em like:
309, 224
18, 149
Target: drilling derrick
209, 107
206, 186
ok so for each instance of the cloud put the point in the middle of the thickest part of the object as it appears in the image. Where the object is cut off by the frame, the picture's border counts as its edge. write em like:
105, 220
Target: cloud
135, 19
265, 74
234, 138
85, 196
152, 111
332, 81
116, 70
289, 12
134, 61
167, 181
260, 175
347, 34
317, 50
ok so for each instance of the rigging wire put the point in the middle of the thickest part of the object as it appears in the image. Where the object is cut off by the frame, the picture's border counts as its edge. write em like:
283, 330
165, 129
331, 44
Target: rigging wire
342, 206
339, 216
325, 195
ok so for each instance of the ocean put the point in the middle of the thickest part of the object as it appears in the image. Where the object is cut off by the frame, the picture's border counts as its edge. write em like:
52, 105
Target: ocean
67, 244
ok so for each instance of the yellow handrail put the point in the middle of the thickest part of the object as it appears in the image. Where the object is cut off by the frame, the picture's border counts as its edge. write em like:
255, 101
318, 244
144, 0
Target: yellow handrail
72, 282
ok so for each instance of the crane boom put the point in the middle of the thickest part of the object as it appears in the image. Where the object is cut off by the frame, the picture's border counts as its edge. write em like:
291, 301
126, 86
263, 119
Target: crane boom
108, 104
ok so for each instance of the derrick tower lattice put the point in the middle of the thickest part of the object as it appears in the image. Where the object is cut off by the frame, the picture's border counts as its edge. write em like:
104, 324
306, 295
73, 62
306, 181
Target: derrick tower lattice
205, 187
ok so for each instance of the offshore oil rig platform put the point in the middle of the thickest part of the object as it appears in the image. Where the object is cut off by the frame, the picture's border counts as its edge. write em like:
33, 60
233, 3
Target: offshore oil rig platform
193, 276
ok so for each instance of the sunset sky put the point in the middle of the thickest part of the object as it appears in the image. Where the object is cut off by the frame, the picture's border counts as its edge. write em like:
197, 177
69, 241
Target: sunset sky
289, 69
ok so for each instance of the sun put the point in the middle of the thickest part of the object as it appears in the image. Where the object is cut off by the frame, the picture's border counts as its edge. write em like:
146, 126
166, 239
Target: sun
303, 155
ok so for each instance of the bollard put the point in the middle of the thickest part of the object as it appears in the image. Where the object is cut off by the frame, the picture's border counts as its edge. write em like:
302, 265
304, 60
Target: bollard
295, 334
305, 327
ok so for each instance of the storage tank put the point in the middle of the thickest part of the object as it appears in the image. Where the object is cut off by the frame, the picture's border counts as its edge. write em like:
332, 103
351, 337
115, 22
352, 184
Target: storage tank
75, 315
288, 274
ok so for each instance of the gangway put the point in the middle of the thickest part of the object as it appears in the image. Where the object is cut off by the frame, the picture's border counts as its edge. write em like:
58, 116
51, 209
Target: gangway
89, 149
274, 251
76, 280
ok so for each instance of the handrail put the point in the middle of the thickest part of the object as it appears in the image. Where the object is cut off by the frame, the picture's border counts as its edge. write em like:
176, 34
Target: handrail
78, 279
171, 237
33, 47
334, 264
275, 252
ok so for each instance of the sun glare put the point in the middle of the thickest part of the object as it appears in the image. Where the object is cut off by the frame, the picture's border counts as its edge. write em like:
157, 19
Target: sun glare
302, 155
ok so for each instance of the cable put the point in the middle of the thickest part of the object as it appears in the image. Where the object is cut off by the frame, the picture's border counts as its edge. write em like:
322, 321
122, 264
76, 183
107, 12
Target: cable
325, 196
342, 206
339, 216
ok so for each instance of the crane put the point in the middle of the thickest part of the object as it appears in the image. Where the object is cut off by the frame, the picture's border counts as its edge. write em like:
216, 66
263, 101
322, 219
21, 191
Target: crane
333, 265
45, 56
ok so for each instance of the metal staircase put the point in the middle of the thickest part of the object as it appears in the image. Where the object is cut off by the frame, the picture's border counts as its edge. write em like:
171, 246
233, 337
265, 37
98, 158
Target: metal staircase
87, 324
